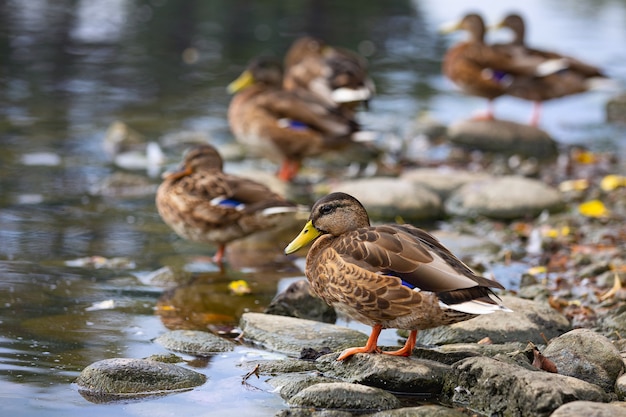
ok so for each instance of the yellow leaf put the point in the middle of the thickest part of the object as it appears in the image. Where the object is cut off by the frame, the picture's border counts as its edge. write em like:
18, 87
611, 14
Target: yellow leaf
574, 185
239, 287
611, 182
585, 157
593, 208
536, 270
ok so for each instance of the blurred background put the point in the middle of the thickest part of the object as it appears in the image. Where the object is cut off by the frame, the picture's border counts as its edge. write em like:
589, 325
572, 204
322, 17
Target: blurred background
70, 68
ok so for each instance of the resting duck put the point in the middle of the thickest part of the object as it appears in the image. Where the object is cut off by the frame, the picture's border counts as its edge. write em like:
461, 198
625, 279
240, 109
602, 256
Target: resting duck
280, 124
201, 203
335, 76
480, 69
388, 276
571, 76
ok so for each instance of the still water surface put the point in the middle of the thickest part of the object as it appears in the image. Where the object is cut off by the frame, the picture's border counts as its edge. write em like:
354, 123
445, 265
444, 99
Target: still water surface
69, 69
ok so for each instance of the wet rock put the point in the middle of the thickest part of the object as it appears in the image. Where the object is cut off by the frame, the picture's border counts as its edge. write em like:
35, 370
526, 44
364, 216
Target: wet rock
298, 301
290, 335
588, 408
528, 322
493, 387
442, 181
616, 109
344, 396
311, 412
281, 366
449, 354
503, 136
508, 197
194, 342
464, 245
125, 378
396, 374
390, 198
586, 355
289, 385
423, 411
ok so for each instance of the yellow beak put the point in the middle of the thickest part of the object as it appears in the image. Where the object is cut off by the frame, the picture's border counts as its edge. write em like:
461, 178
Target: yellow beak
244, 80
306, 236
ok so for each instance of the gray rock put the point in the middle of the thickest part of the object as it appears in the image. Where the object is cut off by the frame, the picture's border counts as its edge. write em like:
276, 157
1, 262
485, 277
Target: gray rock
586, 355
615, 321
464, 245
503, 136
423, 411
449, 354
344, 396
194, 342
620, 387
125, 378
508, 197
311, 412
528, 321
280, 366
297, 300
590, 409
442, 181
290, 335
289, 385
390, 198
397, 374
493, 387
616, 109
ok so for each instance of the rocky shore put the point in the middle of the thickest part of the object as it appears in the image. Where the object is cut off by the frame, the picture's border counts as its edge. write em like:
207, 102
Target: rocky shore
559, 353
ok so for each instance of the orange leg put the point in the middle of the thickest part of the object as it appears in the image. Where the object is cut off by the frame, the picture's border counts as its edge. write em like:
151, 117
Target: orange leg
534, 118
288, 170
219, 255
370, 347
488, 114
408, 346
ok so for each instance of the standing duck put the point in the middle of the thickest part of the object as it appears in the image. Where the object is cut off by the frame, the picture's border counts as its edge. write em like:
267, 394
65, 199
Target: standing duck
335, 76
571, 76
480, 69
201, 203
388, 276
280, 124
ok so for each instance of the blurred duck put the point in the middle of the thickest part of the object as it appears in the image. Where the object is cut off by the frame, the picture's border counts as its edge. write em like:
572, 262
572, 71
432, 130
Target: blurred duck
570, 75
387, 276
482, 70
282, 125
335, 76
201, 203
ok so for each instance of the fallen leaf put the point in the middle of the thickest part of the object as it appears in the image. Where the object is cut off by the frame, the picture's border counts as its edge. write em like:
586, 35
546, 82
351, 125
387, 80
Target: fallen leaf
593, 208
543, 363
611, 182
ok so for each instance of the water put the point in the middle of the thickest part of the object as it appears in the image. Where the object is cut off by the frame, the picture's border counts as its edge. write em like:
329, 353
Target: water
69, 69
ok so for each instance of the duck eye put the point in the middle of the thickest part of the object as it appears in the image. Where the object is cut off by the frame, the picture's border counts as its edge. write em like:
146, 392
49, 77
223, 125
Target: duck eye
326, 209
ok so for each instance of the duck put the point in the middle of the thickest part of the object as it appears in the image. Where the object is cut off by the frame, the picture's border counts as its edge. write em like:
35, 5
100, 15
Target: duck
479, 69
202, 203
335, 76
388, 275
570, 76
280, 124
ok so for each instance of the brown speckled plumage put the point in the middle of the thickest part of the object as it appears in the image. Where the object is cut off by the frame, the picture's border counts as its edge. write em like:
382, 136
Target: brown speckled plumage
192, 202
388, 276
281, 125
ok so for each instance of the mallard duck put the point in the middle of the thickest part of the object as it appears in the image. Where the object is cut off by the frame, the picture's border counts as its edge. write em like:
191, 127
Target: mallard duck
388, 276
337, 77
480, 69
570, 75
280, 124
201, 203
